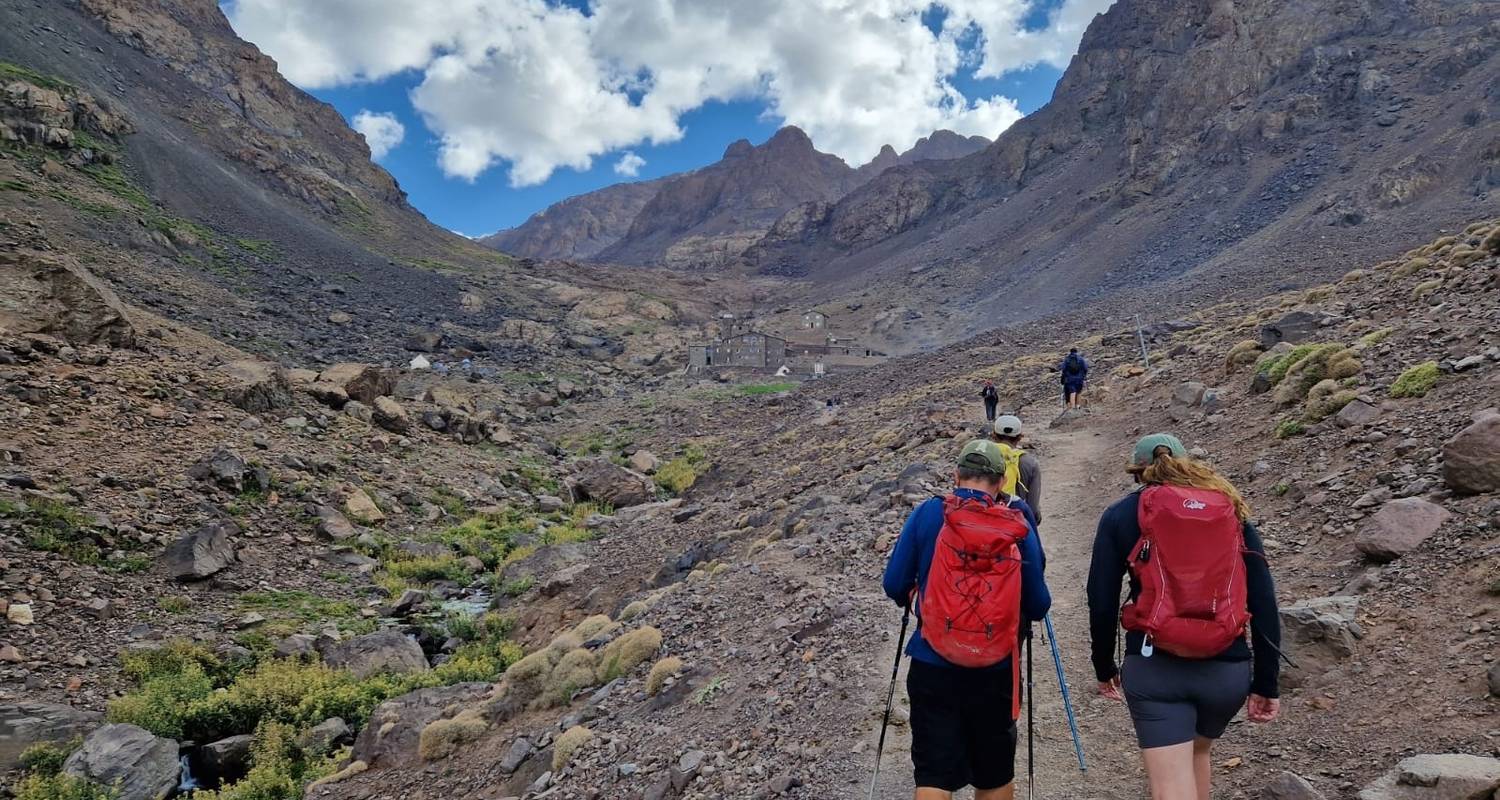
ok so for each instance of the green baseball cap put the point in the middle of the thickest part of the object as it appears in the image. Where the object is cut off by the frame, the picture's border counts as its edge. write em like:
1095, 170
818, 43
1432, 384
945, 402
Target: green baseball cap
1145, 449
983, 455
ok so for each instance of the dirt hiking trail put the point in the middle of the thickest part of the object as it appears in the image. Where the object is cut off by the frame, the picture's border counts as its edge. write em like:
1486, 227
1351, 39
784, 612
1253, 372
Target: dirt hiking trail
1082, 476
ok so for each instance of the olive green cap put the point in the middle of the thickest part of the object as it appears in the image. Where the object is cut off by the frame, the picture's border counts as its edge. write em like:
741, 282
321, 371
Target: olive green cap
983, 455
1145, 449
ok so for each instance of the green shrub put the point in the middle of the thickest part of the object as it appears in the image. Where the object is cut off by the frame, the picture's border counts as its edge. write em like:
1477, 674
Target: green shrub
679, 474
279, 769
624, 653
166, 703
592, 626
60, 787
1288, 428
1325, 399
47, 758
1425, 288
574, 671
634, 609
425, 569
1416, 381
1317, 363
1242, 354
54, 527
1376, 337
517, 586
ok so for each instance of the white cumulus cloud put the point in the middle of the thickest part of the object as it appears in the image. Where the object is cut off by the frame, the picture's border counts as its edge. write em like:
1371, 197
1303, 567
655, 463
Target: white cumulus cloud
382, 131
629, 164
538, 85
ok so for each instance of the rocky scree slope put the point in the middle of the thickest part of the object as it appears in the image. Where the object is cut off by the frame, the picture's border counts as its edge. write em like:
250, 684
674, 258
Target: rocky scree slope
145, 141
1239, 144
705, 218
1357, 416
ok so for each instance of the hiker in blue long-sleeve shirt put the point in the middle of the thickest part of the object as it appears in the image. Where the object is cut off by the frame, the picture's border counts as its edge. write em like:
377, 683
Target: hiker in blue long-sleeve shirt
963, 718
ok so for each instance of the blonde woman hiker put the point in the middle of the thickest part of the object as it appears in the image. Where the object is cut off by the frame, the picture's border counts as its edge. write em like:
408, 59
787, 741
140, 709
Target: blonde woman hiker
1202, 631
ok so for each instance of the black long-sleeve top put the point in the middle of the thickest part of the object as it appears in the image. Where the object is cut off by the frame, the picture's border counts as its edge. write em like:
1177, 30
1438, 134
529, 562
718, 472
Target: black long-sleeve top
1119, 530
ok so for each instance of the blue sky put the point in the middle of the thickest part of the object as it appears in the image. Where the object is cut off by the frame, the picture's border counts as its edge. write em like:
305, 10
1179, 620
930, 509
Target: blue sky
490, 201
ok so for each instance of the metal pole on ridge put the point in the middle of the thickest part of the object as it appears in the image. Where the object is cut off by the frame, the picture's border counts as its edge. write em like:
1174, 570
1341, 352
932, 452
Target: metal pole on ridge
890, 697
1062, 681
1030, 725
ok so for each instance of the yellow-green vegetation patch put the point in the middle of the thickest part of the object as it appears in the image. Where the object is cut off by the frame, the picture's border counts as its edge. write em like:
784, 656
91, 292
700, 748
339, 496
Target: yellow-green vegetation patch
1425, 288
55, 527
568, 743
660, 672
442, 737
1288, 428
279, 768
626, 652
574, 671
1376, 337
1416, 381
1326, 398
767, 388
15, 72
593, 626
632, 610
1243, 353
300, 608
57, 786
1295, 373
679, 474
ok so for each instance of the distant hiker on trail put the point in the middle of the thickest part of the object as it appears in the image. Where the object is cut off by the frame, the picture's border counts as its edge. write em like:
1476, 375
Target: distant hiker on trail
1075, 373
991, 400
1198, 577
1023, 475
962, 681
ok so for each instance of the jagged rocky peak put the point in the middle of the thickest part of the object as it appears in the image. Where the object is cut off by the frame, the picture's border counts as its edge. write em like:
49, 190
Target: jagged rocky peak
739, 149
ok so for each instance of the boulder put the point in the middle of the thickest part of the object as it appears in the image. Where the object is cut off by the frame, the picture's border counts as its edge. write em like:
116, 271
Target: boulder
1471, 459
257, 386
138, 765
328, 393
605, 482
1356, 413
390, 415
1289, 786
43, 293
443, 397
644, 462
325, 736
334, 525
1450, 776
359, 506
520, 749
1399, 527
1189, 393
362, 382
223, 761
224, 467
391, 736
1318, 634
1294, 326
203, 552
25, 724
382, 651
424, 341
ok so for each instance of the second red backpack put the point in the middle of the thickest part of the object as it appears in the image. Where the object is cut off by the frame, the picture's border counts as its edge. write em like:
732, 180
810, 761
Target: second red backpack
1190, 564
970, 608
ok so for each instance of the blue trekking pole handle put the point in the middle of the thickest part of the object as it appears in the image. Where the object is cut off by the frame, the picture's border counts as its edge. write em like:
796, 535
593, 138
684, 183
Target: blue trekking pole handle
1062, 681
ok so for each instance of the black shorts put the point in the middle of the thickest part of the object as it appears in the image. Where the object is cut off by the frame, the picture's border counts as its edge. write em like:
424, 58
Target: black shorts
962, 731
1172, 700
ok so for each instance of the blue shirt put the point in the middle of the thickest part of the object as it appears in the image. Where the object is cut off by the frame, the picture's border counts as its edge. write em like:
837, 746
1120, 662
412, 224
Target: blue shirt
912, 557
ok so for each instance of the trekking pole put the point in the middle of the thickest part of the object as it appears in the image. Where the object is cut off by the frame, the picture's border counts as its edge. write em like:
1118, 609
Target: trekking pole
1030, 725
890, 698
1062, 681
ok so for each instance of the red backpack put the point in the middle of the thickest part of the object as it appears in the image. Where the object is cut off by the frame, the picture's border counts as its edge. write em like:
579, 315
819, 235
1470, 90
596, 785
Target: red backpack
1190, 564
970, 610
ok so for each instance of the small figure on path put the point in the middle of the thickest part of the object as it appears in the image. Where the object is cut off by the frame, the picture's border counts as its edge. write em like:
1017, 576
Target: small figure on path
1075, 373
991, 400
1198, 579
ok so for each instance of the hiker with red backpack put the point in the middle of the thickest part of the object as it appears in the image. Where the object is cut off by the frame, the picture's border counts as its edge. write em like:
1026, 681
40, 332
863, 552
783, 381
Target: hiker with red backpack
1198, 582
971, 564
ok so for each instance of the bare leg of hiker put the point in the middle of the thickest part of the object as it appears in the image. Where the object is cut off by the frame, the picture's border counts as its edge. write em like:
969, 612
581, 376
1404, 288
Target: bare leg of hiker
1006, 792
933, 794
1172, 771
1203, 766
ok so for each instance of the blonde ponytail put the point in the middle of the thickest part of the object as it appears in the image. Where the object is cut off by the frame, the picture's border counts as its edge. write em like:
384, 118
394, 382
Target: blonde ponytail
1172, 471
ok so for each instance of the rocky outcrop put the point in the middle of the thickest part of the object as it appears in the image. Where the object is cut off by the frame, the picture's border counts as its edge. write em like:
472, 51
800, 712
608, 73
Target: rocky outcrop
202, 553
383, 651
579, 227
23, 725
362, 382
138, 765
605, 482
43, 293
391, 737
257, 386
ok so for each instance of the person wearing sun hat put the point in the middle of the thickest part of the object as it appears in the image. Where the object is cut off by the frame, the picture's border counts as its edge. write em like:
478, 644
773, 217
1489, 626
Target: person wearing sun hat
1181, 700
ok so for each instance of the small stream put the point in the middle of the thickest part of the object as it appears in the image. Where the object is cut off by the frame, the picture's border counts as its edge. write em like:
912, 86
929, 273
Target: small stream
186, 783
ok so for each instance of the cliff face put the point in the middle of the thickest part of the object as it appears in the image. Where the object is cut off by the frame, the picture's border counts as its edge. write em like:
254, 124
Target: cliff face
579, 227
1236, 137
